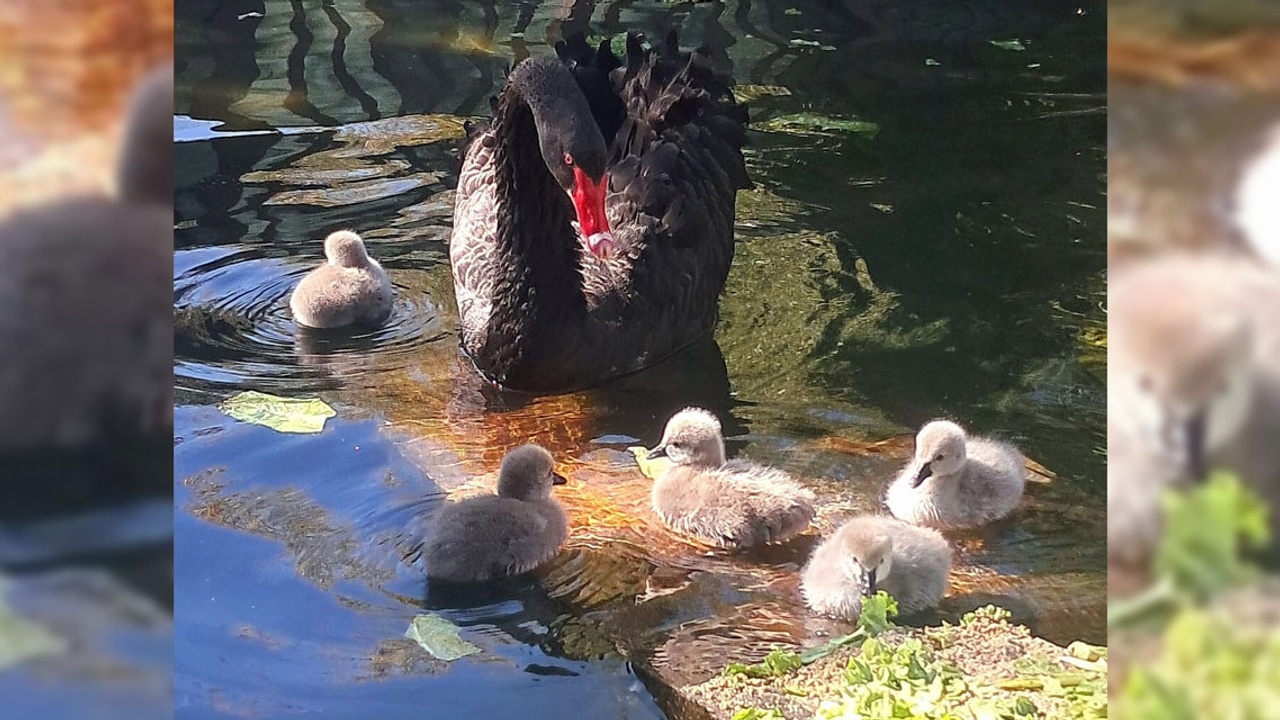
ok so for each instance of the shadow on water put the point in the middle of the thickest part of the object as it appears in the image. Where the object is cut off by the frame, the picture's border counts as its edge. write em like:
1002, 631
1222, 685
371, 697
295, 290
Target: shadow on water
950, 264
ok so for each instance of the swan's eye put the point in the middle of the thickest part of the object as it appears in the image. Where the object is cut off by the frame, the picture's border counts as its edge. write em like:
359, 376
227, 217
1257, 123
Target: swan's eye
937, 458
568, 159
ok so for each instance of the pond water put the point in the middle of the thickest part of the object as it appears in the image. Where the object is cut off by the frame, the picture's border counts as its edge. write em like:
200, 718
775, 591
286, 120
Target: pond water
952, 263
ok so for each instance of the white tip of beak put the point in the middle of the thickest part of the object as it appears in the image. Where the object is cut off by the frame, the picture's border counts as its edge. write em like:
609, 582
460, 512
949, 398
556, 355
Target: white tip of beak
601, 244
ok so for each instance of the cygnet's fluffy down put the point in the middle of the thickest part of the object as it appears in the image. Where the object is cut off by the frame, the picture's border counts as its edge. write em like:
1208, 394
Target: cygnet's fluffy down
956, 481
870, 553
86, 324
736, 504
1193, 382
351, 288
86, 298
495, 536
145, 172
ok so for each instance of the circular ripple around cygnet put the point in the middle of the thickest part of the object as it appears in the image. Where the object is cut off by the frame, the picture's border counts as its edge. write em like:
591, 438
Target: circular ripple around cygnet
232, 325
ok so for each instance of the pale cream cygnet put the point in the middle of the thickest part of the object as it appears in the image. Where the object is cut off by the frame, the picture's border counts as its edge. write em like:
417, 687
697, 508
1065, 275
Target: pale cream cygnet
870, 553
731, 504
956, 481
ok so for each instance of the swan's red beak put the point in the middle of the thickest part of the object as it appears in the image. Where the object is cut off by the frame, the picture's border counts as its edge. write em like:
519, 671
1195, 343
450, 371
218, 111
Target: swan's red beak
588, 201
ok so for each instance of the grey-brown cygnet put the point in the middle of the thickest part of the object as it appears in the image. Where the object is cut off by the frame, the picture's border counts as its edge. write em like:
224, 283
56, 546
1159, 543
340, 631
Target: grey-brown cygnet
870, 553
1193, 376
731, 504
956, 481
351, 288
86, 323
495, 536
145, 172
86, 293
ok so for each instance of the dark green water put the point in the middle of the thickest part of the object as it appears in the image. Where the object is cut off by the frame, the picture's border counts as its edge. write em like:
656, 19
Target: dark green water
952, 264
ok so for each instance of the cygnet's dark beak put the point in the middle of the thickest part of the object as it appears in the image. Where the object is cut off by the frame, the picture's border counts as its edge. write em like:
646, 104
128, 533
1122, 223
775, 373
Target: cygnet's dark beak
869, 582
1197, 440
558, 479
926, 470
656, 453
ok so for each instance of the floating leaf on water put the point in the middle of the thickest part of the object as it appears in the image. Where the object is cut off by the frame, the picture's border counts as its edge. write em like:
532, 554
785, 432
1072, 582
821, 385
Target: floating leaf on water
931, 62
652, 469
800, 42
883, 207
286, 415
1015, 44
751, 93
439, 637
791, 11
814, 124
22, 640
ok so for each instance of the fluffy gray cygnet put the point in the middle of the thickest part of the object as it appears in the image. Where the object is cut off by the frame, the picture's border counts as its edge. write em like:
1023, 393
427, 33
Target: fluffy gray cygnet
495, 536
86, 299
351, 288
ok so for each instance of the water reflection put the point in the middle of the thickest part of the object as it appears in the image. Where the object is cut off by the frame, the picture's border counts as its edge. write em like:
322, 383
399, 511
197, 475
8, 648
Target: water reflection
952, 264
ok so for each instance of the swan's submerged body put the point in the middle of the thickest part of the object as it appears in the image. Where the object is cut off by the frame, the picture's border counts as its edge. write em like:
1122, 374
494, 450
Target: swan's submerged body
593, 225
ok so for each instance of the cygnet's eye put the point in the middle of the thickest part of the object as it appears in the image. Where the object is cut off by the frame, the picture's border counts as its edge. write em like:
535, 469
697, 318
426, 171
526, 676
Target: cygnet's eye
937, 458
568, 159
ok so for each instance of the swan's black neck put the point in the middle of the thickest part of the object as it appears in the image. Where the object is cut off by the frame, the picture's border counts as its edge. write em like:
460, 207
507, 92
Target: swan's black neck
540, 284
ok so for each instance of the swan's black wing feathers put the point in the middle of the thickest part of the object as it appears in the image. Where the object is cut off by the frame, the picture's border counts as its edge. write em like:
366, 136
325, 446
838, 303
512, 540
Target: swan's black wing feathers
676, 168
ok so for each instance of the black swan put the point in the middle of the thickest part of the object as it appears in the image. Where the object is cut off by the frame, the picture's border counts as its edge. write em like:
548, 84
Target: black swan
593, 224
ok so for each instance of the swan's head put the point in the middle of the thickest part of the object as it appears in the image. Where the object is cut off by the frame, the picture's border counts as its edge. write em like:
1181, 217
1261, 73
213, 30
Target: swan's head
692, 437
1184, 388
868, 556
528, 473
571, 144
940, 450
345, 249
